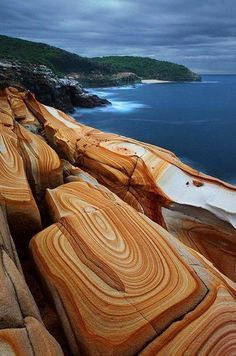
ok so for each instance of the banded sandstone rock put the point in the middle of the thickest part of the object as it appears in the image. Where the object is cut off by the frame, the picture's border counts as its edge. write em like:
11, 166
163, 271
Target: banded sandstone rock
76, 174
42, 164
12, 104
198, 209
15, 194
26, 160
123, 285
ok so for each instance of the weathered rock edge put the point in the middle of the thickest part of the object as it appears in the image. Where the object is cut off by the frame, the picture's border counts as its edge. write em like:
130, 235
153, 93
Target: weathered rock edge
151, 290
198, 209
63, 93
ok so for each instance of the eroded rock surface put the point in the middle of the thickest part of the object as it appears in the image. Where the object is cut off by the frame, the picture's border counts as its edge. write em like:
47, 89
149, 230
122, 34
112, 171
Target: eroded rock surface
21, 329
62, 93
198, 209
28, 166
121, 283
15, 193
25, 159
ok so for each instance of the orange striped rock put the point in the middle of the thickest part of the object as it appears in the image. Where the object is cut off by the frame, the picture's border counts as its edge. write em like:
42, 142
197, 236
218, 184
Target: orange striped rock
123, 285
42, 164
152, 180
6, 114
19, 109
25, 159
15, 194
76, 174
213, 238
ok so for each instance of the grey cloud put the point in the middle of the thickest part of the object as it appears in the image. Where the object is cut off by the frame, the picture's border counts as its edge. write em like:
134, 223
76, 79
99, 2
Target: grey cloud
199, 34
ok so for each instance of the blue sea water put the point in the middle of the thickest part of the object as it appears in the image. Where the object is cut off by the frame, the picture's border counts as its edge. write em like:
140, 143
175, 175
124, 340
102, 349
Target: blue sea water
197, 121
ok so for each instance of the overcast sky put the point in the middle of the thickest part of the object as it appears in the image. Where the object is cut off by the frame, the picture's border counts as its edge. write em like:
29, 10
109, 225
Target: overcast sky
198, 33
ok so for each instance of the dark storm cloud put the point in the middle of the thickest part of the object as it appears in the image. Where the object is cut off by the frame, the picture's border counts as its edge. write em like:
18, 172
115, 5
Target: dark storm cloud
199, 34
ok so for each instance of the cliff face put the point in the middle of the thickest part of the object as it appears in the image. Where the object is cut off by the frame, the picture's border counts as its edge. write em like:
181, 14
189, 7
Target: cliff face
136, 249
62, 93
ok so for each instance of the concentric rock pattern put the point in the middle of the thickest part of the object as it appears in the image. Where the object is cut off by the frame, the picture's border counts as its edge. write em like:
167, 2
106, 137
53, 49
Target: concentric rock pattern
120, 282
123, 279
198, 209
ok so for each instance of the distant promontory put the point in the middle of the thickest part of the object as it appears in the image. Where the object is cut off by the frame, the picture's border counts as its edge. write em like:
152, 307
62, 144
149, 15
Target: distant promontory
114, 70
149, 68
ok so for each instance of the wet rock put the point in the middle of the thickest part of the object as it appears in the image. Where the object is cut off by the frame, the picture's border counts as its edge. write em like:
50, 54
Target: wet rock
62, 93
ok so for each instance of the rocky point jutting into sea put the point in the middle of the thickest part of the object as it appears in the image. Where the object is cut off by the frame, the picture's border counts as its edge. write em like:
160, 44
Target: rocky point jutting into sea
135, 250
63, 93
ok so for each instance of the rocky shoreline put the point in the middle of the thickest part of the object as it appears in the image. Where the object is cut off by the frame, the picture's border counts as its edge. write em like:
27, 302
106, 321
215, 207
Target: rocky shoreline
63, 93
135, 249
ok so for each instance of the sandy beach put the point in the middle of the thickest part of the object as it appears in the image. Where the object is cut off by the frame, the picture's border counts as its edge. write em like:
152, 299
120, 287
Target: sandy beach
155, 81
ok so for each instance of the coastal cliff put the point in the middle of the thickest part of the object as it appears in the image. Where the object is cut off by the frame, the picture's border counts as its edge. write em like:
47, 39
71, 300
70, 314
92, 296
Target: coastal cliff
93, 72
64, 93
135, 248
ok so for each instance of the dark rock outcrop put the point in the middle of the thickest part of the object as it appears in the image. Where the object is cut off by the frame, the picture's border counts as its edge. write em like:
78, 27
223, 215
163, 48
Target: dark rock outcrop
62, 93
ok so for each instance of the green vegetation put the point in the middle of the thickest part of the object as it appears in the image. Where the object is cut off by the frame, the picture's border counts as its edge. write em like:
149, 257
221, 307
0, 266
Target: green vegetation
63, 62
57, 59
148, 68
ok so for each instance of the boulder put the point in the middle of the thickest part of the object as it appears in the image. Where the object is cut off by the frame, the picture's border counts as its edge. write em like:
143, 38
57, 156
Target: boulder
198, 209
21, 329
141, 250
42, 164
15, 194
6, 241
123, 285
32, 340
63, 93
28, 166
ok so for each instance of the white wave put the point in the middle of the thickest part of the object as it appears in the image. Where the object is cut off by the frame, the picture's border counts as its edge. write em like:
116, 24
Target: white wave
110, 91
128, 87
117, 106
123, 106
101, 93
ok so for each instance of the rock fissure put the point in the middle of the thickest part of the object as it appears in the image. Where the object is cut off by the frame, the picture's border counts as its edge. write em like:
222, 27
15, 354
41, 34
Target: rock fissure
114, 274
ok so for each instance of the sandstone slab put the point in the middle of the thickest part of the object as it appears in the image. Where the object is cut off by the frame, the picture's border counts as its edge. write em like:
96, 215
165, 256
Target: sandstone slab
120, 282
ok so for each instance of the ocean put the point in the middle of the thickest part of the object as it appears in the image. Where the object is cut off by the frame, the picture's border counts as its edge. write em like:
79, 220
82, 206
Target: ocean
197, 121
